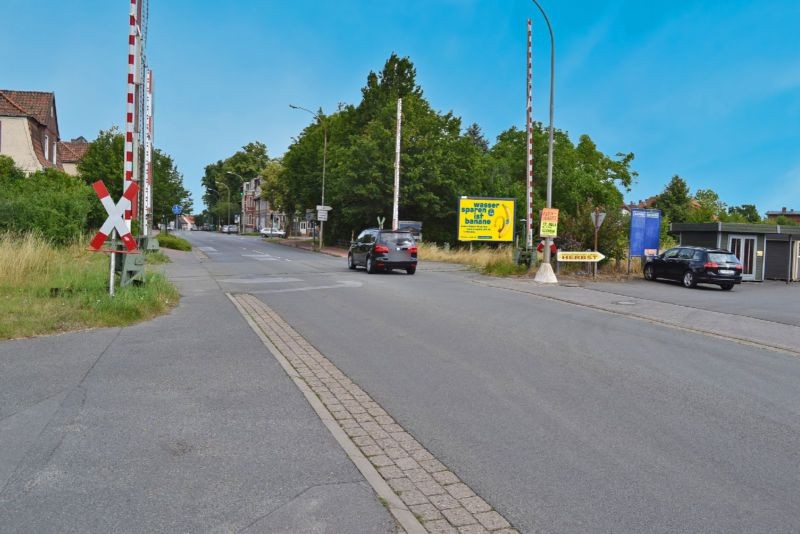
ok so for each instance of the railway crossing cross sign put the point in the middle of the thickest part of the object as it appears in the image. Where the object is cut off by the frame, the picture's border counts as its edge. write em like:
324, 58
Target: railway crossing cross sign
115, 218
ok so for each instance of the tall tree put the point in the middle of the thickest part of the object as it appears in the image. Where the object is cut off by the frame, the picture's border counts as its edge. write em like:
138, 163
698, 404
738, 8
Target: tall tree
744, 213
675, 201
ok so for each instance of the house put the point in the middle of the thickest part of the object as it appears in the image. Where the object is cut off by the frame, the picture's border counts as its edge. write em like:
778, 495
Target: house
791, 215
767, 251
70, 153
257, 212
29, 129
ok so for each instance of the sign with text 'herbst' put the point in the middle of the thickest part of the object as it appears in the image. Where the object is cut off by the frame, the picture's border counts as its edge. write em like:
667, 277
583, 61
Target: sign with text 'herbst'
548, 226
486, 219
589, 256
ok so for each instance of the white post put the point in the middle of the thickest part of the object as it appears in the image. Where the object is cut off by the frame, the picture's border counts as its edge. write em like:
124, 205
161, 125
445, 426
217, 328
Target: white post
395, 210
147, 211
112, 262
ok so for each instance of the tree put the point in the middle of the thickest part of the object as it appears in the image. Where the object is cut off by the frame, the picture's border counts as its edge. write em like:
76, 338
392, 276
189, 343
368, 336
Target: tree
675, 201
228, 175
744, 213
709, 207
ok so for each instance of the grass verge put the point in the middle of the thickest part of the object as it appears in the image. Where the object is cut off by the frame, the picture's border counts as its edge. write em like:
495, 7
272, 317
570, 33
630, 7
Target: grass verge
46, 290
156, 257
496, 261
174, 242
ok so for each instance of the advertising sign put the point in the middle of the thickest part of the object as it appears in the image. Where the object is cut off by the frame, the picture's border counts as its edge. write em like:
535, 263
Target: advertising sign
486, 219
549, 223
645, 232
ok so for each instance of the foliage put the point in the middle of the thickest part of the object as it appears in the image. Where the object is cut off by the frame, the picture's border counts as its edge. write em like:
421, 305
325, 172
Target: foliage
783, 220
708, 207
104, 161
223, 180
746, 213
675, 202
51, 203
45, 290
174, 242
156, 257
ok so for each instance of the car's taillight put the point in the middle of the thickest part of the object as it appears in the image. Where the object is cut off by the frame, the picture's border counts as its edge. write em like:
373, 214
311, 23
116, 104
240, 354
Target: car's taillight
711, 265
412, 250
738, 266
381, 249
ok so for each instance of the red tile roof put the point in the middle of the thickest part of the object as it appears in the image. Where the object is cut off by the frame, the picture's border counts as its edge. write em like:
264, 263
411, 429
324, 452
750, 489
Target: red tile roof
36, 104
72, 151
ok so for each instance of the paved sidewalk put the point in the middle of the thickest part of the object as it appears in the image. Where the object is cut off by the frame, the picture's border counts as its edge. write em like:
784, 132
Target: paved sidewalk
181, 424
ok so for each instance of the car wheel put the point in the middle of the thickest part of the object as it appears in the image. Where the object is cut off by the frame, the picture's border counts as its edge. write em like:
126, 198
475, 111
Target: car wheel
350, 263
648, 272
370, 265
726, 287
689, 279
411, 270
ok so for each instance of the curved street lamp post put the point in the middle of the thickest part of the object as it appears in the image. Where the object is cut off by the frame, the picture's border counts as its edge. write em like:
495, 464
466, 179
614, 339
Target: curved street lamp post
324, 123
548, 270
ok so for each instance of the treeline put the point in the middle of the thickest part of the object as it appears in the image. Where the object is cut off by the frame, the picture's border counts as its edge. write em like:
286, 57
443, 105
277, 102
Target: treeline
63, 208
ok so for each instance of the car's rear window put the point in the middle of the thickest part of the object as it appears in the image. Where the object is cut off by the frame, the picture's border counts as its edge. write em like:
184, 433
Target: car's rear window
718, 257
397, 238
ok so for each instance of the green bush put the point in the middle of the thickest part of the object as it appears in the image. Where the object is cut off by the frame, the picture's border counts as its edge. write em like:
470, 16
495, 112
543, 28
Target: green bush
51, 203
173, 242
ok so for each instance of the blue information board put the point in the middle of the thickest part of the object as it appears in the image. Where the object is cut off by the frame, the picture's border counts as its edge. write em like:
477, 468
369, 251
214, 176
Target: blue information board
176, 209
645, 232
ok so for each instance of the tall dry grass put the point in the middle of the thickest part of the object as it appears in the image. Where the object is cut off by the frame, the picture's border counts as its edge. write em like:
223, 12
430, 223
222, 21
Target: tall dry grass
27, 258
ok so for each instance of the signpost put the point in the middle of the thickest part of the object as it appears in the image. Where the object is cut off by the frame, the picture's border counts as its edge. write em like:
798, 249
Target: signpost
114, 222
176, 210
597, 220
588, 256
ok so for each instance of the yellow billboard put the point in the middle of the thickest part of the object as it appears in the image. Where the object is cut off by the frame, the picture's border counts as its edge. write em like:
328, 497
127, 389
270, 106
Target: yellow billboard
485, 219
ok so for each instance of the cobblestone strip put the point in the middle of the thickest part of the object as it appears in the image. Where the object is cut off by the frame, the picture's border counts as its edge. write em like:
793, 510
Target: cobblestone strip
435, 495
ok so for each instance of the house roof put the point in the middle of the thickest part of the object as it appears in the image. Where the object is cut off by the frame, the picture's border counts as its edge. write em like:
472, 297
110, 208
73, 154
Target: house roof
35, 104
72, 151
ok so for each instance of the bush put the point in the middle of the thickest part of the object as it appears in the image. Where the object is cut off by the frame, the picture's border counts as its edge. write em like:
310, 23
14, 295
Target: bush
51, 203
173, 242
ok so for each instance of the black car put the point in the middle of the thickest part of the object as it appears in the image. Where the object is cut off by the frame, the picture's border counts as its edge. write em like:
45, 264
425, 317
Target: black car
693, 265
383, 250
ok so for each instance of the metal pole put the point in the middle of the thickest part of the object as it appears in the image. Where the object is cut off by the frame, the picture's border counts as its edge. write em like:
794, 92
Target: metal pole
529, 148
395, 209
596, 227
324, 164
550, 140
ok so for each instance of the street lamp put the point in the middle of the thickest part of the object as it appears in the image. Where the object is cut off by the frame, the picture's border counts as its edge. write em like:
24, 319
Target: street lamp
324, 159
545, 272
229, 199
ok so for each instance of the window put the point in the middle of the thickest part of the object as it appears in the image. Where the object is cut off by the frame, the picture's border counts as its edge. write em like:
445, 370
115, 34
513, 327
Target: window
671, 253
686, 254
55, 153
46, 147
303, 226
1, 136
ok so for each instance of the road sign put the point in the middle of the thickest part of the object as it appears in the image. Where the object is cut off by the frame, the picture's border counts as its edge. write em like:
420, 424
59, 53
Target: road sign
324, 208
597, 218
115, 215
322, 215
176, 209
589, 256
381, 220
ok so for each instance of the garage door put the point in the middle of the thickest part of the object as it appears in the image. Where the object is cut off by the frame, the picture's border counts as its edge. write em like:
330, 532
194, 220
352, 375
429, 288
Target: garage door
777, 260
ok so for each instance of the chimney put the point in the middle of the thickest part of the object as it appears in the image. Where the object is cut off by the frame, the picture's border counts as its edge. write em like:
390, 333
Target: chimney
783, 210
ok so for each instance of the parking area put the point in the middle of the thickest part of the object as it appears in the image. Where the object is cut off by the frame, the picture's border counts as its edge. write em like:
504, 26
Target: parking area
770, 300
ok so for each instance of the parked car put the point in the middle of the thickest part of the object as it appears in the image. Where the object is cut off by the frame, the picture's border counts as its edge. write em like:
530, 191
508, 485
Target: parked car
383, 250
230, 229
696, 265
272, 232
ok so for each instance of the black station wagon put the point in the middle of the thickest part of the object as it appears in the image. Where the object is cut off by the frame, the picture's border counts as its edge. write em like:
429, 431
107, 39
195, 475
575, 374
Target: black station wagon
693, 265
383, 250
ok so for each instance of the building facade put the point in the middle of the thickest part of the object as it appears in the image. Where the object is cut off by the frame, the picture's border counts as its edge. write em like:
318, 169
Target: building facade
29, 129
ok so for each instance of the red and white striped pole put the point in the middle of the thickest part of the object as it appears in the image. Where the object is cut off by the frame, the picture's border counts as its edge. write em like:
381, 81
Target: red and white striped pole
529, 148
130, 116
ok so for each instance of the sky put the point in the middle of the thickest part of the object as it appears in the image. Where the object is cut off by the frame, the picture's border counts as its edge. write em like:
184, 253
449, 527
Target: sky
708, 90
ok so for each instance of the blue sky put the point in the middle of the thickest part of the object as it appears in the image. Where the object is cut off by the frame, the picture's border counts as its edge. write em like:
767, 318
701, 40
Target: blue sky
709, 90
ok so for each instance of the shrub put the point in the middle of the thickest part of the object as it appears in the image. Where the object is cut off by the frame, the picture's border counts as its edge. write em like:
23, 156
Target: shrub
173, 242
50, 203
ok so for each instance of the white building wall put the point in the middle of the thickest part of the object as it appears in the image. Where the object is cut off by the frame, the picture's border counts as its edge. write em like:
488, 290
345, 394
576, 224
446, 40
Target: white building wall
16, 143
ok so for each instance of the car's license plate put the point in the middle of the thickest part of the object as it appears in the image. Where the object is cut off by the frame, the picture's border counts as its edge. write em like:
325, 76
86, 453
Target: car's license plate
725, 271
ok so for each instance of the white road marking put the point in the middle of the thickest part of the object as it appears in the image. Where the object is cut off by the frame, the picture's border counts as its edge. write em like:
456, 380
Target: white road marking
260, 257
341, 284
207, 249
263, 280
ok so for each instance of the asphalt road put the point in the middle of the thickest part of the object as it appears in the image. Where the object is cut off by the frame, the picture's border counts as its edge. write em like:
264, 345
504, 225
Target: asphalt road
566, 419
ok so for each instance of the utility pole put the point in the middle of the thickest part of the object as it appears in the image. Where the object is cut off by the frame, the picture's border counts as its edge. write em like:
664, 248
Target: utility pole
395, 208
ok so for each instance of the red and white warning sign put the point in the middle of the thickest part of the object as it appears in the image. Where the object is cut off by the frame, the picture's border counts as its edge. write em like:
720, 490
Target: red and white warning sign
115, 215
